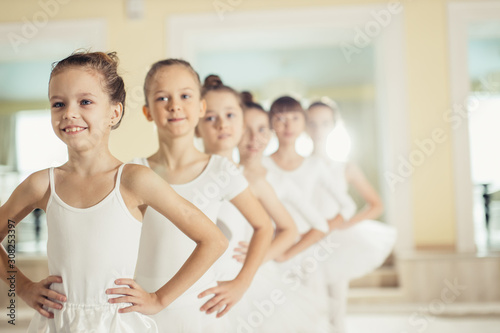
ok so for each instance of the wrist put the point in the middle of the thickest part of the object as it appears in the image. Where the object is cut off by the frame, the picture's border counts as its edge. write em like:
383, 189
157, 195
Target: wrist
159, 300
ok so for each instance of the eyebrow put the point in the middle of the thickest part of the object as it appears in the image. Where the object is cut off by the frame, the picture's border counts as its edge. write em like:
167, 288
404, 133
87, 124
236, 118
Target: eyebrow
79, 95
163, 91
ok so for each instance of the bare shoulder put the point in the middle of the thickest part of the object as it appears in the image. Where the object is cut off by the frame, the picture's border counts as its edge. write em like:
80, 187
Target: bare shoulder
261, 188
34, 191
135, 176
38, 183
353, 171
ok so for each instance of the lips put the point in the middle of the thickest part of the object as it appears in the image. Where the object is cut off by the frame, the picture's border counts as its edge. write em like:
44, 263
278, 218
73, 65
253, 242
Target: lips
175, 120
223, 136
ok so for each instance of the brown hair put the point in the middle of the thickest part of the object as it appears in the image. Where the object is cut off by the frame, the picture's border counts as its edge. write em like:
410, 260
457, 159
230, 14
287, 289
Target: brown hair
285, 104
106, 64
165, 63
220, 87
330, 105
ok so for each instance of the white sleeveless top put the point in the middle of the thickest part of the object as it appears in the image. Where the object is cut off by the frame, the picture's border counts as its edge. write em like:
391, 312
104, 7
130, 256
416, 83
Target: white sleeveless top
164, 248
312, 175
90, 248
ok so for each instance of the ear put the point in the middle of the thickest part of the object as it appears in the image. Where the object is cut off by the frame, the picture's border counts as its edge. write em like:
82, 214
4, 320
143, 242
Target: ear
117, 114
147, 114
203, 107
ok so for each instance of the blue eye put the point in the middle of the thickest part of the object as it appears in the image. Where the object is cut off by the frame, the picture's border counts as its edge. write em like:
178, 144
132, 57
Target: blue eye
58, 105
231, 115
210, 118
163, 99
185, 96
85, 102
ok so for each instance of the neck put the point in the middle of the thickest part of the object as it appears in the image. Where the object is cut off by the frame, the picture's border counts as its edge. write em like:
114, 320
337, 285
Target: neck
319, 149
228, 153
251, 163
91, 161
286, 151
176, 152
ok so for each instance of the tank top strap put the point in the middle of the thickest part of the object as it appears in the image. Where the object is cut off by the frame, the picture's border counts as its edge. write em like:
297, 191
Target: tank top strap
51, 180
119, 176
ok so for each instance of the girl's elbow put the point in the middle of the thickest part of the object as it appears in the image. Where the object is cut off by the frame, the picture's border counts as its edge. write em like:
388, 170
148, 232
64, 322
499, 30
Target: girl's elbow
222, 244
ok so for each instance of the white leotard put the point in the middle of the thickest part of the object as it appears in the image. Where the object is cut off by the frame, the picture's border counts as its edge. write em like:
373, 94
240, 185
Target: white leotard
303, 213
164, 248
90, 248
311, 175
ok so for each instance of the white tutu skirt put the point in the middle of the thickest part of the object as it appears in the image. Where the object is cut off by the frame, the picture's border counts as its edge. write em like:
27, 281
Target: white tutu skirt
82, 318
354, 252
272, 304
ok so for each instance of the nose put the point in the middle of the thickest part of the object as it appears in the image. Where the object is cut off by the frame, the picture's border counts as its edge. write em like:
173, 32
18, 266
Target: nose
173, 105
222, 123
70, 112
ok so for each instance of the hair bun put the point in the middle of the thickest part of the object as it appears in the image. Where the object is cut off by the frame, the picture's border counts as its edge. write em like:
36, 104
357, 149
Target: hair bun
212, 81
247, 97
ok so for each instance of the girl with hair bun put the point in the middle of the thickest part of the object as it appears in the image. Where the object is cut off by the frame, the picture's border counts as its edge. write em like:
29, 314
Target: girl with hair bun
94, 205
175, 104
364, 244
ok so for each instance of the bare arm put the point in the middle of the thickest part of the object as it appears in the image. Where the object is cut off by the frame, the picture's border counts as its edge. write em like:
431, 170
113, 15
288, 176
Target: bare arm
153, 191
286, 230
30, 194
228, 293
374, 206
306, 240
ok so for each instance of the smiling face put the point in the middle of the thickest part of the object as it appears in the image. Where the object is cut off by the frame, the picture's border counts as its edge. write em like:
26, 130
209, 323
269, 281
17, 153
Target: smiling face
320, 123
288, 126
256, 134
81, 111
174, 101
222, 126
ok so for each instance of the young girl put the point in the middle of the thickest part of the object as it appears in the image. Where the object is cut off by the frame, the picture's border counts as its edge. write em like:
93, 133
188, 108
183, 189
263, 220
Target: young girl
221, 130
173, 102
93, 214
365, 243
311, 225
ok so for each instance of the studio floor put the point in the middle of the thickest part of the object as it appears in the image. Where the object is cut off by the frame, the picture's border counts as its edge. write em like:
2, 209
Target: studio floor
407, 319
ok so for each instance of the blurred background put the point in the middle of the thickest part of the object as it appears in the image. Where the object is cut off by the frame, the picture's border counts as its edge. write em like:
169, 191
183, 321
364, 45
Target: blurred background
418, 85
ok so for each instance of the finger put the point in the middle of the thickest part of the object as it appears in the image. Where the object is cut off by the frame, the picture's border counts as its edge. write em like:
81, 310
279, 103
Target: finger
44, 312
129, 282
128, 309
208, 292
122, 291
51, 279
212, 302
226, 310
123, 299
240, 250
48, 303
244, 244
49, 293
217, 307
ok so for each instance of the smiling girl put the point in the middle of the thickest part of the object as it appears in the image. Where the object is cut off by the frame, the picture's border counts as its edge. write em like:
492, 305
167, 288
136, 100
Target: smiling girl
94, 205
